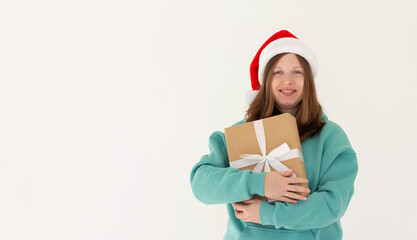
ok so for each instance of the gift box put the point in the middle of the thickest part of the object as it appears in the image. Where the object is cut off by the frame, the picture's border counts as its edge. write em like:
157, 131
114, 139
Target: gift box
269, 144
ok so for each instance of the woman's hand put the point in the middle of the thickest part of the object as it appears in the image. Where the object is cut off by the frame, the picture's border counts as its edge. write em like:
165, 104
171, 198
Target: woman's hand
279, 186
248, 210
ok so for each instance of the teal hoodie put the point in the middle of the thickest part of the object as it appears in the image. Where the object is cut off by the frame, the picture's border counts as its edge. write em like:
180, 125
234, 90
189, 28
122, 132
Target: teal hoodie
331, 167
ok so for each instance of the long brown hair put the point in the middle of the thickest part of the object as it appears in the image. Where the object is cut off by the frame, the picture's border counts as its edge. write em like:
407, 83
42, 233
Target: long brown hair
309, 113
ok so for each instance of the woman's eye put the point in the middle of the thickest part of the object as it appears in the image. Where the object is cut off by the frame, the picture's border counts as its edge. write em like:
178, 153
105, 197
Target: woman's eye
278, 72
298, 72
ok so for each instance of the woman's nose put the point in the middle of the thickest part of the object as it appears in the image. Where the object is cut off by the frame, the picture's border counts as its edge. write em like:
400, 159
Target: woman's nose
287, 79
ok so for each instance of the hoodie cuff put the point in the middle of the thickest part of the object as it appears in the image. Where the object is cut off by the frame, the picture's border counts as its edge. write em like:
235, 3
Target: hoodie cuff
256, 183
266, 213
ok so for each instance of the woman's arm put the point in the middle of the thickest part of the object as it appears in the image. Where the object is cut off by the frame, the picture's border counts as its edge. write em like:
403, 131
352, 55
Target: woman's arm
214, 182
323, 207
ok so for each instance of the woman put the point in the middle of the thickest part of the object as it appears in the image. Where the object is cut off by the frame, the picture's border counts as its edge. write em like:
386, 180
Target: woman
287, 68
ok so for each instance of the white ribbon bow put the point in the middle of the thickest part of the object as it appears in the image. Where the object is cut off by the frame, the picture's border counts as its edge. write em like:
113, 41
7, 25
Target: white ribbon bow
274, 158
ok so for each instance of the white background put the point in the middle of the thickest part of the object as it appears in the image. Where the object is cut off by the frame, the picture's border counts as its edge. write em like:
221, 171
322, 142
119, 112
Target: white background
105, 106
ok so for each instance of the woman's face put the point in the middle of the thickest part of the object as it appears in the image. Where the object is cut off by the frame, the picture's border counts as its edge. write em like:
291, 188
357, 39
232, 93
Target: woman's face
287, 83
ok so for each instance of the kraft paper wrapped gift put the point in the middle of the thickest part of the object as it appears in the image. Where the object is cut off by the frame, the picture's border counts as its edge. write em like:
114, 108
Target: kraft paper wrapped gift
269, 144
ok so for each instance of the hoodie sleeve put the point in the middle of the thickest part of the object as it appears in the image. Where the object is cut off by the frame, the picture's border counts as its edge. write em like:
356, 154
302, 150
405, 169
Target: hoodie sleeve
326, 205
214, 182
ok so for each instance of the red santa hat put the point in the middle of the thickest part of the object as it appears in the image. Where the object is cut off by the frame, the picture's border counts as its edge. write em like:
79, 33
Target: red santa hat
281, 42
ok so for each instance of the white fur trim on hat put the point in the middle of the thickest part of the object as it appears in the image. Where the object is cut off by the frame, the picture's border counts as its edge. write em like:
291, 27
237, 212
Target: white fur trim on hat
286, 45
250, 95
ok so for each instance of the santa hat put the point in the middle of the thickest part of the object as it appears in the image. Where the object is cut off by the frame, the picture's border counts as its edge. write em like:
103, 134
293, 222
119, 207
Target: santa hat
281, 42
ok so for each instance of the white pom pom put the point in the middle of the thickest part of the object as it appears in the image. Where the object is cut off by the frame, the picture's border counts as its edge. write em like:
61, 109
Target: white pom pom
250, 95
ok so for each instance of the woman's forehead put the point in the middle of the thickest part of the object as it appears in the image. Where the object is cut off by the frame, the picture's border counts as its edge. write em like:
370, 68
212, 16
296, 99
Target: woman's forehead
289, 59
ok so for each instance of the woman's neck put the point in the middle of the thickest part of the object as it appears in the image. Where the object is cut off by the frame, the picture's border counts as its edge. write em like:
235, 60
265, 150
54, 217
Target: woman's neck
291, 111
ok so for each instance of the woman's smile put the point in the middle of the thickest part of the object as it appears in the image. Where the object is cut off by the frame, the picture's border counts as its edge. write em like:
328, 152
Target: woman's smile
287, 92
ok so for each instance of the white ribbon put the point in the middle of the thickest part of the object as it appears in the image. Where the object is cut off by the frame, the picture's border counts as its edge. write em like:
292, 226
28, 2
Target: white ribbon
274, 158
